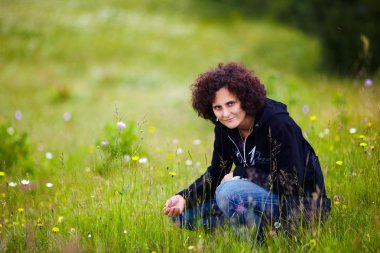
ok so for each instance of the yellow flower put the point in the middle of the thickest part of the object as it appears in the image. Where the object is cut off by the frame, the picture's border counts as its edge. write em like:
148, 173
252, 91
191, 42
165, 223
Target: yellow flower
72, 230
61, 219
151, 129
135, 158
1, 226
172, 173
2, 174
191, 248
344, 206
20, 210
363, 144
339, 163
55, 229
369, 124
313, 243
337, 138
313, 118
170, 156
361, 136
372, 147
3, 194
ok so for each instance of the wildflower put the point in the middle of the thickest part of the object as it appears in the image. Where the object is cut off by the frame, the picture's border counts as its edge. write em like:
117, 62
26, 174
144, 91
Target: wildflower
3, 194
196, 142
372, 147
135, 158
352, 130
49, 155
67, 116
172, 173
369, 124
72, 230
179, 151
188, 162
49, 185
175, 141
340, 163
361, 136
89, 235
368, 82
2, 174
25, 182
61, 219
127, 158
12, 184
55, 230
312, 243
143, 160
169, 156
272, 233
363, 144
336, 198
20, 210
305, 109
151, 129
121, 125
191, 248
321, 135
40, 224
18, 115
313, 118
344, 206
277, 225
104, 143
87, 169
337, 138
125, 231
10, 130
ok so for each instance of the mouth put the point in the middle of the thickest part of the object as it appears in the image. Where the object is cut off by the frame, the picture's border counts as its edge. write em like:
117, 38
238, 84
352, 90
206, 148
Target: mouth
229, 120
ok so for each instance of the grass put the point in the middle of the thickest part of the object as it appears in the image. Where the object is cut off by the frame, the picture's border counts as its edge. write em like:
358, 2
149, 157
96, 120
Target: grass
105, 62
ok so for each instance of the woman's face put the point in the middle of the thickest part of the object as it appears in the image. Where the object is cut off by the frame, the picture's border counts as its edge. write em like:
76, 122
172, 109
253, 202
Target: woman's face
227, 109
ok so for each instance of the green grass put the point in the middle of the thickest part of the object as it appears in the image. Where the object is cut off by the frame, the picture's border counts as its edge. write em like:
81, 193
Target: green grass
105, 62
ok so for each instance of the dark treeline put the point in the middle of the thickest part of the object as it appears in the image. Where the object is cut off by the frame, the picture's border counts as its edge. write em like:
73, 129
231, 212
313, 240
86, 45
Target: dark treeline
349, 30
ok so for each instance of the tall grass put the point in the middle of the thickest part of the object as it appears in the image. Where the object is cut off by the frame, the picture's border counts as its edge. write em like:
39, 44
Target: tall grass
71, 68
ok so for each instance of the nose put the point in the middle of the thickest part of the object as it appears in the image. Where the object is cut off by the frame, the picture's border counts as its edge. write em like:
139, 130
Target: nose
225, 113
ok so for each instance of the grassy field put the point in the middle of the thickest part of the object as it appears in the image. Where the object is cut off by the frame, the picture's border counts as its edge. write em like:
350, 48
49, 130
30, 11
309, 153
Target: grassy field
70, 70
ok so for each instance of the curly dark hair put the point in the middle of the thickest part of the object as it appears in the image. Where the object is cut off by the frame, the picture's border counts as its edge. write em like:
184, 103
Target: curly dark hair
237, 79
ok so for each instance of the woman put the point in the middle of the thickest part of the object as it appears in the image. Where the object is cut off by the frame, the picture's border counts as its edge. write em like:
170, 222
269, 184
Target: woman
277, 180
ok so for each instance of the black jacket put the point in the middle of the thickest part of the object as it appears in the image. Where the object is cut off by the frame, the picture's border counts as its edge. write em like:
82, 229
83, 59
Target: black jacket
275, 156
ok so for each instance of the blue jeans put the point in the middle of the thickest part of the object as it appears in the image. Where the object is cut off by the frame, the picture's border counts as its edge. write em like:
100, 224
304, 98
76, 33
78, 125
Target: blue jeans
246, 205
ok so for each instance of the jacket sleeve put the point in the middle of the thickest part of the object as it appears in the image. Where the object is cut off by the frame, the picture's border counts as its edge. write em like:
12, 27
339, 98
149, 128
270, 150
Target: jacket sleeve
287, 155
204, 187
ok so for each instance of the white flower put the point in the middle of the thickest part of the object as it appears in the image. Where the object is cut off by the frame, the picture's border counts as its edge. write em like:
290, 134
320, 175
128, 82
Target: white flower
25, 182
352, 130
179, 151
125, 231
67, 116
188, 162
127, 158
327, 131
18, 115
49, 155
12, 184
196, 142
305, 109
88, 169
49, 185
89, 235
104, 143
175, 141
143, 160
121, 124
10, 130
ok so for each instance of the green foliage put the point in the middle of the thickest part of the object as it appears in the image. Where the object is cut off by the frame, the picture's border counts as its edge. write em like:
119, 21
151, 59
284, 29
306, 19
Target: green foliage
117, 141
349, 33
14, 149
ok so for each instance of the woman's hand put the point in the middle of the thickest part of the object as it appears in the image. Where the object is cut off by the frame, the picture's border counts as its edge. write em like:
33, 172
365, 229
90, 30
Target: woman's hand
174, 206
227, 177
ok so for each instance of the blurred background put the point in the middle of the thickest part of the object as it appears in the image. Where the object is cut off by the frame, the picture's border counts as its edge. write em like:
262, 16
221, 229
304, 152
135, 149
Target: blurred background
70, 66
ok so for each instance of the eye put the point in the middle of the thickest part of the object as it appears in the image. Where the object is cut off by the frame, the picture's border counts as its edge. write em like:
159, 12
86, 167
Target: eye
217, 107
231, 103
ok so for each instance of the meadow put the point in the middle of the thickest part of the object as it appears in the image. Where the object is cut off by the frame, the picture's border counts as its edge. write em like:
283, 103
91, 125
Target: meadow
97, 129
